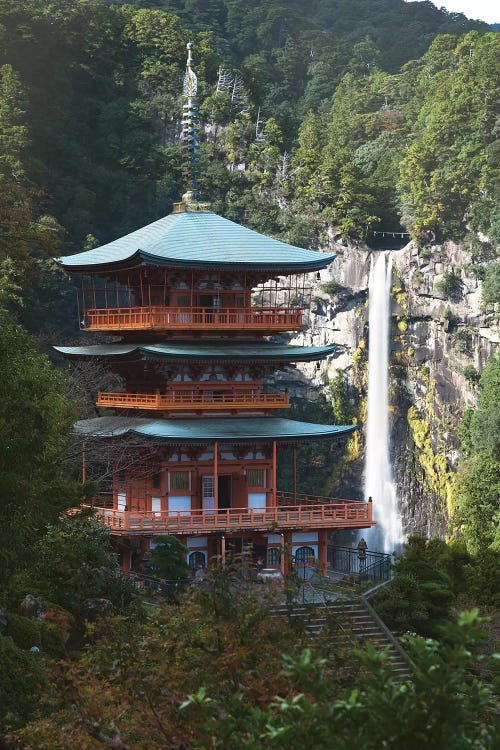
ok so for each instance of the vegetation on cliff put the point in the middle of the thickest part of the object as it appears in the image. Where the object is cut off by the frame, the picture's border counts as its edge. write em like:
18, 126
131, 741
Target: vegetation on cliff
479, 477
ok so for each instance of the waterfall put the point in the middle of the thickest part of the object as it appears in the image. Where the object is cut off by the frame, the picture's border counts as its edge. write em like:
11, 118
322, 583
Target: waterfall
387, 536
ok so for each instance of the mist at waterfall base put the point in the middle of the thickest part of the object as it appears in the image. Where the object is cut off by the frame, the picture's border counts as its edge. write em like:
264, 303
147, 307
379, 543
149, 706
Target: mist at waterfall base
387, 535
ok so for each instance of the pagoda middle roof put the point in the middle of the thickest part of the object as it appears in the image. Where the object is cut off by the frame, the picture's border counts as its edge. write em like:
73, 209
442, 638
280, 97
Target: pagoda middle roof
234, 430
213, 351
197, 239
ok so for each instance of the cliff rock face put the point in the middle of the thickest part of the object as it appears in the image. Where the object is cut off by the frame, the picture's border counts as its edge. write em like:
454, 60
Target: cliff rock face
441, 340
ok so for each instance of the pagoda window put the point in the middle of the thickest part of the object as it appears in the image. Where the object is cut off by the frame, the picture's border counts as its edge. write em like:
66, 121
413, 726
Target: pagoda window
256, 478
122, 501
156, 506
121, 475
156, 481
273, 556
304, 555
180, 480
196, 560
208, 493
183, 300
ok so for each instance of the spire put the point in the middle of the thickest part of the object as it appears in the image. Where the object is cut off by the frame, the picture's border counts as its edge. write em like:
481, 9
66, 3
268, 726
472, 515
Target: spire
191, 130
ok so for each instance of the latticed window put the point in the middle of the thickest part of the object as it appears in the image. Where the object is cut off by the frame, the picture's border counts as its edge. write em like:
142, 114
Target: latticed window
274, 555
183, 300
304, 555
179, 480
196, 560
156, 481
256, 477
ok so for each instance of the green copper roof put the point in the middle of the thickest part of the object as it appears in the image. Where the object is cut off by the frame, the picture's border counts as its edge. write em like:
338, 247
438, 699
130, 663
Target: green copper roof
201, 240
203, 351
206, 430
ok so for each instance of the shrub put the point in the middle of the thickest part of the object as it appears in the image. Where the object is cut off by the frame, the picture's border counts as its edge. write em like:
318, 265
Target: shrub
332, 288
471, 374
450, 286
491, 286
462, 341
24, 631
22, 677
422, 591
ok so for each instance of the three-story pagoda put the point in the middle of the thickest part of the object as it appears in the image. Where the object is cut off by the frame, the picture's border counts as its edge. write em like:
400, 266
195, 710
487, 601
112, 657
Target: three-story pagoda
196, 300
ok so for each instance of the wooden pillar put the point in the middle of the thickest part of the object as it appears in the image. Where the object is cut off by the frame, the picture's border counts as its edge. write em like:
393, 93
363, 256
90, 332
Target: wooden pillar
294, 469
274, 473
126, 557
282, 556
223, 550
216, 476
287, 552
323, 551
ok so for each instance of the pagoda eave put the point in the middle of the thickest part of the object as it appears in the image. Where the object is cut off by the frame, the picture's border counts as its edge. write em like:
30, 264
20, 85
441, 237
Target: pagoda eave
216, 351
198, 431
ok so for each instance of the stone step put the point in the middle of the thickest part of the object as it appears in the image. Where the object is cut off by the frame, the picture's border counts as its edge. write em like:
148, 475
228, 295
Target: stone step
356, 626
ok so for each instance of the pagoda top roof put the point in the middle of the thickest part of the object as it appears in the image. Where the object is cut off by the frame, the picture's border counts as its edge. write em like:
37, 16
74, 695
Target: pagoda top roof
197, 240
213, 351
234, 430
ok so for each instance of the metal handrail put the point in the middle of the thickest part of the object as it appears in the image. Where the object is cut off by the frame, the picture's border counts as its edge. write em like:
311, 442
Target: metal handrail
390, 636
349, 560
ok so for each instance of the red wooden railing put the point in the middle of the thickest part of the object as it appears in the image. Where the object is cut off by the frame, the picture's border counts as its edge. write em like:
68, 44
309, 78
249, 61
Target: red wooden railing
198, 401
192, 318
330, 515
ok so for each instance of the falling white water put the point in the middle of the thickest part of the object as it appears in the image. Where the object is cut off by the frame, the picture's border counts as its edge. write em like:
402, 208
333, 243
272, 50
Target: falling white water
387, 536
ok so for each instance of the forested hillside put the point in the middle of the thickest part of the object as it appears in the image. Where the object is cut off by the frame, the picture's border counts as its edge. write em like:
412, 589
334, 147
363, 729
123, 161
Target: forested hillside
90, 116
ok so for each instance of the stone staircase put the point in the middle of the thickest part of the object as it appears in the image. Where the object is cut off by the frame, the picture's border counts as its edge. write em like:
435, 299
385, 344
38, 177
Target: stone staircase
355, 623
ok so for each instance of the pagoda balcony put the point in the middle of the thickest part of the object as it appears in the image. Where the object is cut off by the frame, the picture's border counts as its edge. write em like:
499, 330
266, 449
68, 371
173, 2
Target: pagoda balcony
156, 318
232, 400
339, 514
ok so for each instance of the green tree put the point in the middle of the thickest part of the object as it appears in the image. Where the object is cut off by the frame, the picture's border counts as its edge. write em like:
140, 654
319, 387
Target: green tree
168, 558
38, 481
73, 562
479, 475
23, 679
445, 173
421, 594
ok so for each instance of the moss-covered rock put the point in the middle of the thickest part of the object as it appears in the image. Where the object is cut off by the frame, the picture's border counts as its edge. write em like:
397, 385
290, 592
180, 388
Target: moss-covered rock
22, 679
440, 479
26, 633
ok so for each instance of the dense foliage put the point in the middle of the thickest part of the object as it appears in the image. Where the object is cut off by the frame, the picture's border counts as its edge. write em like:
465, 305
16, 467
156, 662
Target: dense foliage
479, 479
217, 672
311, 103
37, 477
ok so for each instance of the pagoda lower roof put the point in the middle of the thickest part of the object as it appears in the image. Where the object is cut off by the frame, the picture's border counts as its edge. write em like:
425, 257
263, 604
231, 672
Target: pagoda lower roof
200, 240
200, 431
216, 351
